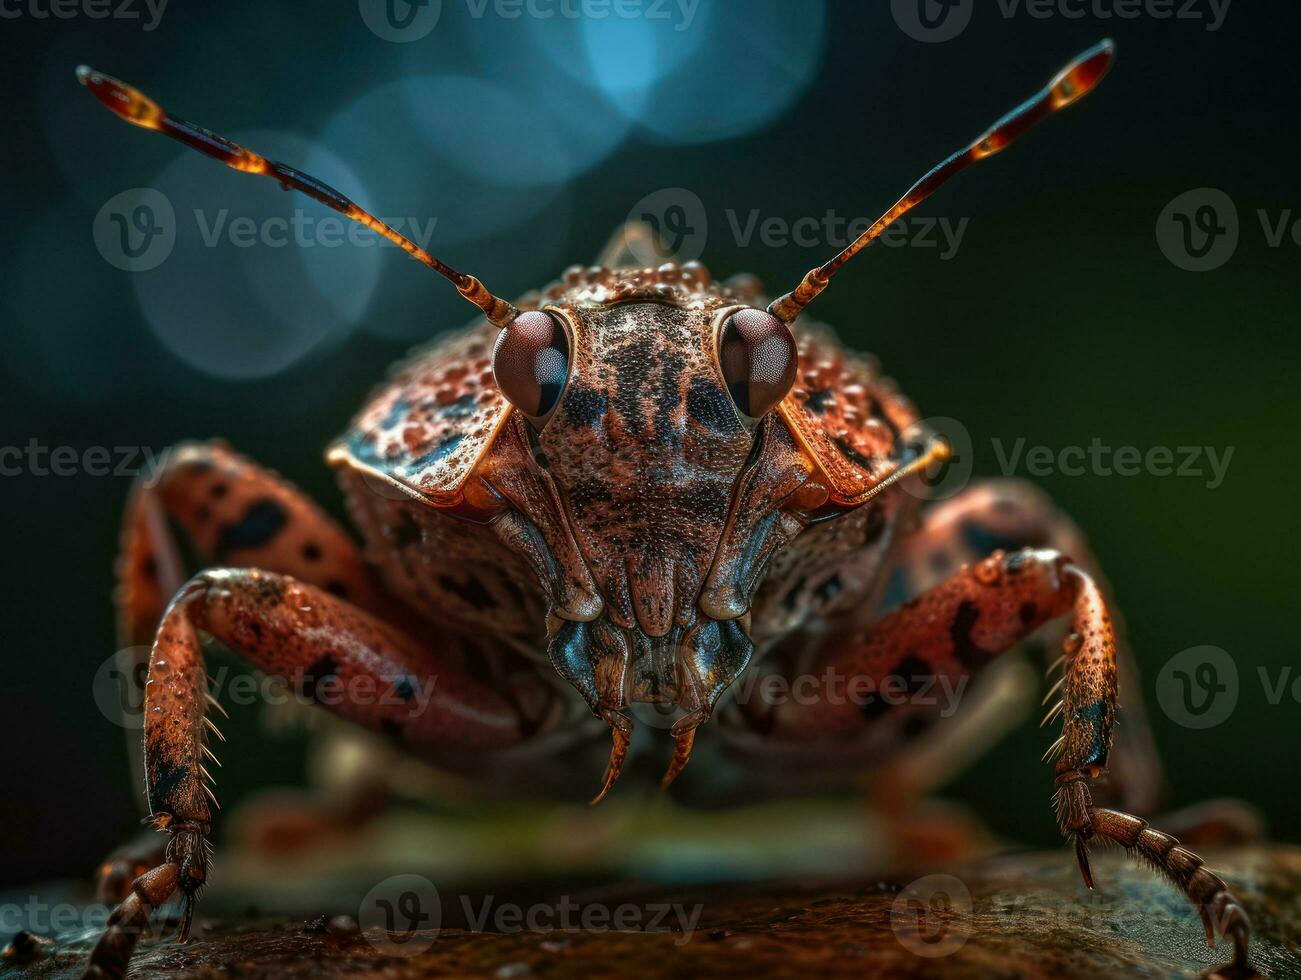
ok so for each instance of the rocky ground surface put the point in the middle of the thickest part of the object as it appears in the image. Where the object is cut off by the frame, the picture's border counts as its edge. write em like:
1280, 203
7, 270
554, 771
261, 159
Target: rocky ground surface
1024, 916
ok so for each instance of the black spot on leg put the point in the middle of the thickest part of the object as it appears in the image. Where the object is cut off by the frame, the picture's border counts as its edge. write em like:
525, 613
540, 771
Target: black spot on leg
316, 675
1096, 715
261, 522
1028, 613
965, 650
337, 588
165, 778
149, 567
311, 552
913, 666
218, 490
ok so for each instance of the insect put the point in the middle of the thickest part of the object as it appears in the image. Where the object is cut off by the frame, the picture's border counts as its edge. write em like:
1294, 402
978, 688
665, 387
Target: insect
627, 489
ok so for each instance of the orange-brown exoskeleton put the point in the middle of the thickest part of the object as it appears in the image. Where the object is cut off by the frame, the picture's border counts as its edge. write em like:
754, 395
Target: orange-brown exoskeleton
626, 489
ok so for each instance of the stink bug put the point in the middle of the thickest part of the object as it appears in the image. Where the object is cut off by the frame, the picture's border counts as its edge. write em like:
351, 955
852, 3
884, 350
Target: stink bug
625, 489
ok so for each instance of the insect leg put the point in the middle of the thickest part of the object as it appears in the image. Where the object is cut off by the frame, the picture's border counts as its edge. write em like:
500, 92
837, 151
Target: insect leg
202, 504
205, 505
1013, 514
327, 650
1089, 705
958, 626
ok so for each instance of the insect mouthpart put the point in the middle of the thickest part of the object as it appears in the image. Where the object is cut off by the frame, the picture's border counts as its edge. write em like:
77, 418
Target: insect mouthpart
615, 667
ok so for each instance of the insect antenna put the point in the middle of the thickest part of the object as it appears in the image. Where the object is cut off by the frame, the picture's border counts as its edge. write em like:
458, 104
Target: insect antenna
1072, 83
140, 110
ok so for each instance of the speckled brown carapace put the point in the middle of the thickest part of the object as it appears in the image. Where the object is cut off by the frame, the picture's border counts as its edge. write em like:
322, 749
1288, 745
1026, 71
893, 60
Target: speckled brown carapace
618, 500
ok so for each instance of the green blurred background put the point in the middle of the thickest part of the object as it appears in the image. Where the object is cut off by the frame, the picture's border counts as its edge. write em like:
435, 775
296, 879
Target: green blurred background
1058, 319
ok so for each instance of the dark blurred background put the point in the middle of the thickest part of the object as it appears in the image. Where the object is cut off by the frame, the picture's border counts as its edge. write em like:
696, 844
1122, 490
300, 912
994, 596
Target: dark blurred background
1059, 318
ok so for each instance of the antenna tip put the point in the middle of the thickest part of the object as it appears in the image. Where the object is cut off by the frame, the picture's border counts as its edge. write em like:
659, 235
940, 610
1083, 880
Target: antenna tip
1082, 75
83, 74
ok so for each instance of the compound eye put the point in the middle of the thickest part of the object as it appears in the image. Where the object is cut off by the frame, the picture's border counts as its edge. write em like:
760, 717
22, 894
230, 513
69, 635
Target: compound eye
758, 358
531, 363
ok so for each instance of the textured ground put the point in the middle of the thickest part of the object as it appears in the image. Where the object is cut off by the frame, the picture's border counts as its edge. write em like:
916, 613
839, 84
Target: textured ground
1019, 916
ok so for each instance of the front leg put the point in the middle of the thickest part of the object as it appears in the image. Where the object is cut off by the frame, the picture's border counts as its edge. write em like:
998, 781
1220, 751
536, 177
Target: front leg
331, 652
958, 626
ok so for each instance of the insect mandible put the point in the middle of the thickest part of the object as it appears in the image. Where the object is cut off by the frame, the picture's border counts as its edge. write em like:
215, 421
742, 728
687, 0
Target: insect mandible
639, 481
